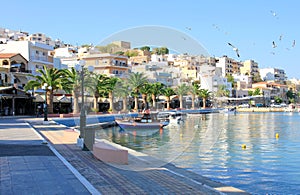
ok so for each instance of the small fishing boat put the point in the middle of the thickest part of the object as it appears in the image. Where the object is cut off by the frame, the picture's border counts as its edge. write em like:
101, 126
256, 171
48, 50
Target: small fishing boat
141, 126
174, 117
228, 111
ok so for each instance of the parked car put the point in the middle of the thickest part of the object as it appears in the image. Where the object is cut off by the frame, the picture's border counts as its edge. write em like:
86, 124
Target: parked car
244, 106
259, 105
275, 106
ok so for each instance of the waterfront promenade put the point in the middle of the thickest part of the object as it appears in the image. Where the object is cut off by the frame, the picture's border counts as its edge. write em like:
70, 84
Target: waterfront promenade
30, 166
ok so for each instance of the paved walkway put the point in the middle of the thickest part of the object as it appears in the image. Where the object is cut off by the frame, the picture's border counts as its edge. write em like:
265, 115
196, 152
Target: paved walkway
60, 167
29, 166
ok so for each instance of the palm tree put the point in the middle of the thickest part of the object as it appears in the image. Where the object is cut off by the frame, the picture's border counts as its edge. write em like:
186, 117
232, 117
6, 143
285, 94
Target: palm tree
257, 92
121, 91
182, 90
145, 90
110, 85
168, 92
204, 94
156, 89
136, 81
50, 76
194, 90
99, 87
222, 91
72, 81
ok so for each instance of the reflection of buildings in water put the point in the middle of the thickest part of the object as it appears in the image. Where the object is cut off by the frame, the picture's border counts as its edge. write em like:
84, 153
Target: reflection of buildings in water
211, 130
180, 139
222, 136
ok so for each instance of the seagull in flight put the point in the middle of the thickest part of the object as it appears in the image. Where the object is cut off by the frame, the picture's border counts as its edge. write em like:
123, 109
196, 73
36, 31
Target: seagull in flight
273, 44
294, 43
235, 49
189, 28
274, 14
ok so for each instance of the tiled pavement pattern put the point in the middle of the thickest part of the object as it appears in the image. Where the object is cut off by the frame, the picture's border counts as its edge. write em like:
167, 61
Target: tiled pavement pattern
28, 166
108, 179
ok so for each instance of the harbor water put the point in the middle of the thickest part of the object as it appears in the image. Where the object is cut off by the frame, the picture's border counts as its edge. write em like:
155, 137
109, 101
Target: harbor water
256, 152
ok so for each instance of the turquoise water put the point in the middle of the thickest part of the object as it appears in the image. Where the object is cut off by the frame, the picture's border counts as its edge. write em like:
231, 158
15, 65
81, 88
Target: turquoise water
211, 146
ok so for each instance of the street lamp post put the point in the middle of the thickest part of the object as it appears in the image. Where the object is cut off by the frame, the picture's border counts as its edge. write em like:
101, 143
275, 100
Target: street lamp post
86, 141
82, 111
45, 87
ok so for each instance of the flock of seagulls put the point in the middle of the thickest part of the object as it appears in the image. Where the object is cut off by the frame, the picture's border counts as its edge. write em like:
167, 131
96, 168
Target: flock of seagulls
236, 50
274, 45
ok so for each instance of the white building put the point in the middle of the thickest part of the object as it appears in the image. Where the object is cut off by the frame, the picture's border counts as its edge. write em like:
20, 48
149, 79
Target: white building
211, 78
244, 81
273, 74
226, 64
37, 54
159, 58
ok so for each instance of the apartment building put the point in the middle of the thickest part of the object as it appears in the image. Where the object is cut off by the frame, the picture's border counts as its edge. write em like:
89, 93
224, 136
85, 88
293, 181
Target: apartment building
108, 64
13, 70
226, 64
273, 74
37, 54
276, 89
250, 68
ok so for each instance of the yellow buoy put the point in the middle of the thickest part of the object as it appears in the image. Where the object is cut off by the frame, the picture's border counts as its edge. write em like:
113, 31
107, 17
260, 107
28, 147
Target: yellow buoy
244, 146
277, 135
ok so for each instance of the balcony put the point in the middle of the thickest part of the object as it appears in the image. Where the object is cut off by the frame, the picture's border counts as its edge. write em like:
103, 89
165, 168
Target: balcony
39, 58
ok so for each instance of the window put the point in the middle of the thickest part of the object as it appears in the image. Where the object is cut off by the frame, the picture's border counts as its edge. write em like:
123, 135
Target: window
5, 62
37, 52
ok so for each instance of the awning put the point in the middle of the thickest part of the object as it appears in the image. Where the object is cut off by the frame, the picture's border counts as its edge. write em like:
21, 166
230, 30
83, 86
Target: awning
64, 99
6, 88
38, 98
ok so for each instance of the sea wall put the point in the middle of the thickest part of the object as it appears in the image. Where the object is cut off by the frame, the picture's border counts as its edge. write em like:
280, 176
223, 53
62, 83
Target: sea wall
261, 109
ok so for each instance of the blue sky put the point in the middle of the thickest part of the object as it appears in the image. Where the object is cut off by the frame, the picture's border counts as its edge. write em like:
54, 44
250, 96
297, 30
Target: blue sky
249, 25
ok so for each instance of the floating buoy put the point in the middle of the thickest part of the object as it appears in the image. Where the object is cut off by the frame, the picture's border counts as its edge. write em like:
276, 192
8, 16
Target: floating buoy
277, 135
244, 146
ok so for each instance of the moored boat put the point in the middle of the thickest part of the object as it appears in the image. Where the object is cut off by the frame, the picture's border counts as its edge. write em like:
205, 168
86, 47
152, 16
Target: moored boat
142, 126
228, 111
174, 117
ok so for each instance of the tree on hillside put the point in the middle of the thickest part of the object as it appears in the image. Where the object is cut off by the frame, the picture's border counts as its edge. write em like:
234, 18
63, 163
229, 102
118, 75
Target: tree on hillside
119, 53
131, 53
145, 48
160, 51
110, 48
